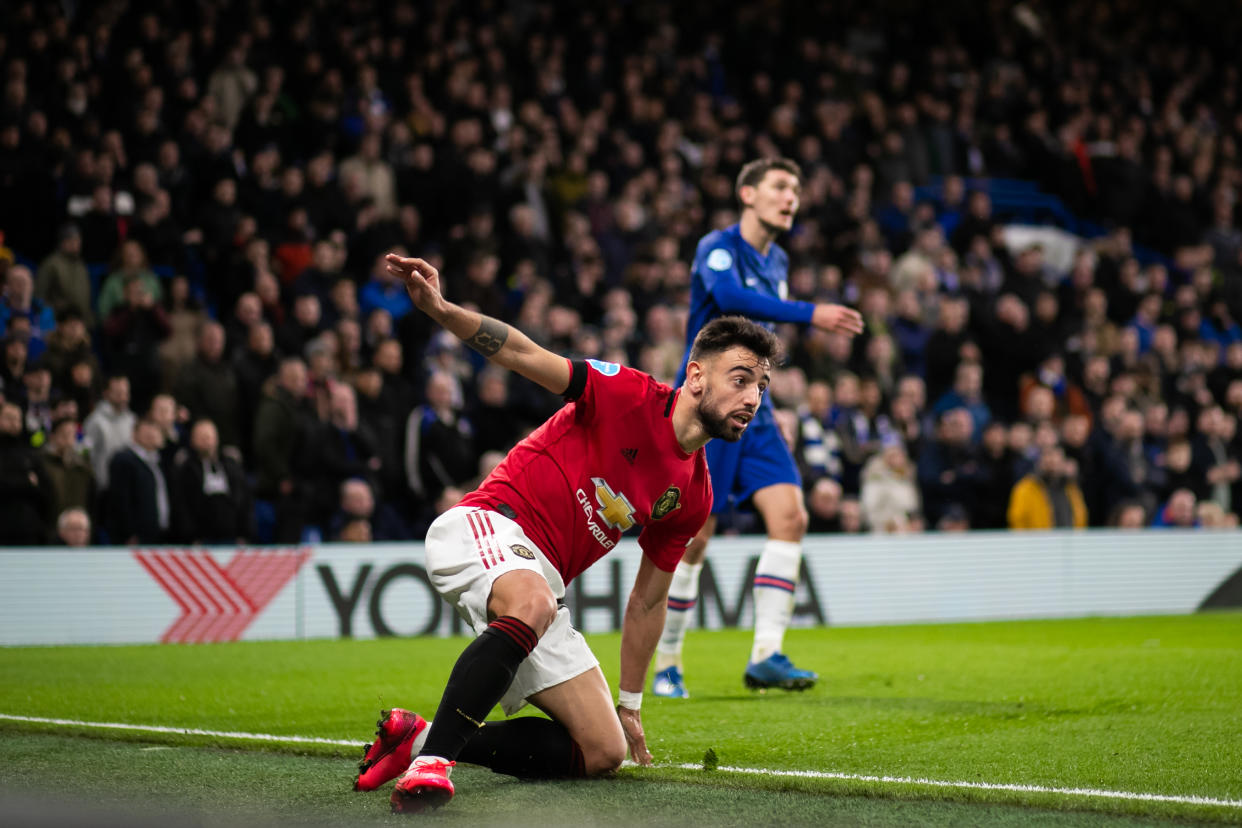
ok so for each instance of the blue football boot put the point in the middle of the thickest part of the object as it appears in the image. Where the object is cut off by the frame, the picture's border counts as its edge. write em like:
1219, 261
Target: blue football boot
778, 671
669, 684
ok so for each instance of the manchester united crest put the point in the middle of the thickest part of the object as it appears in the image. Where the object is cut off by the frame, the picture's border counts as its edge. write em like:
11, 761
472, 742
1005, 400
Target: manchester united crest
522, 552
668, 501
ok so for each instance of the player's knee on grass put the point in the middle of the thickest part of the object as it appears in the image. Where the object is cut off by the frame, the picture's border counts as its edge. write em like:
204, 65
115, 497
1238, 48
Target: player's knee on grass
526, 596
603, 757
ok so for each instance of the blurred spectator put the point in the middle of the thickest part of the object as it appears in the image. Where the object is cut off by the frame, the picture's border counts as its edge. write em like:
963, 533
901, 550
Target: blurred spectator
212, 501
305, 324
823, 505
954, 519
67, 346
890, 496
369, 174
169, 418
379, 417
389, 358
26, 494
967, 393
1211, 516
73, 528
1067, 397
496, 427
1048, 498
109, 427
37, 402
344, 448
1178, 512
282, 431
356, 504
130, 265
18, 300
439, 441
851, 516
67, 469
1113, 456
818, 449
1129, 515
139, 505
949, 343
62, 280
1214, 464
1010, 348
948, 471
999, 471
386, 291
185, 317
252, 365
207, 387
860, 429
132, 334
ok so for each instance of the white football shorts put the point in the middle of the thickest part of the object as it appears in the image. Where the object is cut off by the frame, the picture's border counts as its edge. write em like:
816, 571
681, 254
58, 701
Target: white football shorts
468, 548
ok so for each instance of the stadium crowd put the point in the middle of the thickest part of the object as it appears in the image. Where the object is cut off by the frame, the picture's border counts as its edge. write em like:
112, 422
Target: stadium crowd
201, 344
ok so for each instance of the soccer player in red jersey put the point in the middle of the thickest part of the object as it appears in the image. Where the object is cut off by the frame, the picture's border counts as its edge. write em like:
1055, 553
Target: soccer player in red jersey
626, 451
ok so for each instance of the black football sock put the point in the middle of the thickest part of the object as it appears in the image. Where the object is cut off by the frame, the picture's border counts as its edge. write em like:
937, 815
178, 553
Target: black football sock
480, 677
529, 748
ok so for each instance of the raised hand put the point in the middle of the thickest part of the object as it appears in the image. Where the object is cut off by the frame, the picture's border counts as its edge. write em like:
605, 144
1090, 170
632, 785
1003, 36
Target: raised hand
422, 280
837, 319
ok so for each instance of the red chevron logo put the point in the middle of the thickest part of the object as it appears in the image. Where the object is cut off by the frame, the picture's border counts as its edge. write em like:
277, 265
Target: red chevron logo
218, 603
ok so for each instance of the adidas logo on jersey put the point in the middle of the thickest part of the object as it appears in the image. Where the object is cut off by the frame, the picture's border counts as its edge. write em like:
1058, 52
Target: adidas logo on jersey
629, 455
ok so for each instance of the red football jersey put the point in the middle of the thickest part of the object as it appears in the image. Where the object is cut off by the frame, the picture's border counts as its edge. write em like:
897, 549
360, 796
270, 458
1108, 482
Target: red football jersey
602, 464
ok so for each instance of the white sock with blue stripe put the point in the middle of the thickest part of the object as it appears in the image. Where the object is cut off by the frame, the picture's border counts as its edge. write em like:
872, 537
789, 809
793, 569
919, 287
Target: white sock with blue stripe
683, 595
775, 579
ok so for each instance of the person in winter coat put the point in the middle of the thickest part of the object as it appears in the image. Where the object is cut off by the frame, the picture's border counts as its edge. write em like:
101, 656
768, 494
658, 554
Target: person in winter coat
1048, 497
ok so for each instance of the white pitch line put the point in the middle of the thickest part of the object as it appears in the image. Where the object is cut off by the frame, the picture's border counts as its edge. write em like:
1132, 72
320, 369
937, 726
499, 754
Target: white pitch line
799, 774
188, 731
983, 786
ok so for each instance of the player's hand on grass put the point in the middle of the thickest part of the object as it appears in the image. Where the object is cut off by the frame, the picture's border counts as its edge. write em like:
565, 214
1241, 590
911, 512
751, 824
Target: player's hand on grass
837, 319
632, 724
422, 280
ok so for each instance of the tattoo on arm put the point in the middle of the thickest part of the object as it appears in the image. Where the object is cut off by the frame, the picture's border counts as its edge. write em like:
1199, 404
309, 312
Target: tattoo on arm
490, 337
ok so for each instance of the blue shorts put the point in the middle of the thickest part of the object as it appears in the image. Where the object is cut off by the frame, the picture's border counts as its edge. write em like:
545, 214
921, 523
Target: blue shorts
760, 459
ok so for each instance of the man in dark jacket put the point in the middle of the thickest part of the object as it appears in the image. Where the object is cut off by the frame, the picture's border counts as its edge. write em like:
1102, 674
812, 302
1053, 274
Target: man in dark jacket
439, 442
949, 472
252, 365
212, 498
139, 509
345, 449
25, 493
67, 469
130, 336
208, 386
279, 435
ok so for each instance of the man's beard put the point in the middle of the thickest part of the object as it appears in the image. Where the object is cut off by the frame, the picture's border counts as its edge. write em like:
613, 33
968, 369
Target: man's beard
717, 425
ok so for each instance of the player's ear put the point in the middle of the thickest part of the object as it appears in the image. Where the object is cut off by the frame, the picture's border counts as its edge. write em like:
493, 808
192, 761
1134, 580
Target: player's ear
746, 195
696, 377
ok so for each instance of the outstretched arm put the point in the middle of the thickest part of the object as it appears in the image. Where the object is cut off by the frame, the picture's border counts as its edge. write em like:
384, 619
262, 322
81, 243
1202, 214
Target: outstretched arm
733, 296
502, 344
640, 632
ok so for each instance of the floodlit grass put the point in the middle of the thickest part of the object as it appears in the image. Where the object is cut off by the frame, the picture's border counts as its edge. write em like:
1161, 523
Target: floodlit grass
1147, 705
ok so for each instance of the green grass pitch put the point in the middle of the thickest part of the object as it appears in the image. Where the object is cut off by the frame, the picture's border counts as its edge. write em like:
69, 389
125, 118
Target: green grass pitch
1131, 706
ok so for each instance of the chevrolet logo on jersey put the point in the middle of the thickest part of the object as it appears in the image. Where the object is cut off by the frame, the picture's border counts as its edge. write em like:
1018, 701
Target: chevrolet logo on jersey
614, 509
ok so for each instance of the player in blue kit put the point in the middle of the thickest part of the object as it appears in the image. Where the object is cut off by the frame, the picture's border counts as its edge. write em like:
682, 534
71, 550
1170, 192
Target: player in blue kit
741, 270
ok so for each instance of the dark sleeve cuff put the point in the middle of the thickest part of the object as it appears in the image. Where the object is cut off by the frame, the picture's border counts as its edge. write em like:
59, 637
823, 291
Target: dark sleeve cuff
577, 380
